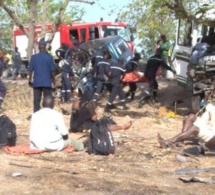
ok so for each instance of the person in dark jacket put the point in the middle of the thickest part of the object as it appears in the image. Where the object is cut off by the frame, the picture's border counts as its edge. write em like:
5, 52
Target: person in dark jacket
42, 72
2, 86
154, 62
132, 66
117, 72
66, 77
61, 52
83, 113
103, 72
98, 57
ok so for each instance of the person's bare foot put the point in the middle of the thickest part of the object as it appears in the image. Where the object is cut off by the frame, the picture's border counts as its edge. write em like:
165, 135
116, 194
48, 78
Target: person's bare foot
163, 143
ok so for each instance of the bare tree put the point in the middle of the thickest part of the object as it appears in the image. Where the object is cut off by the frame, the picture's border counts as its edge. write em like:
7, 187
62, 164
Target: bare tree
33, 5
191, 10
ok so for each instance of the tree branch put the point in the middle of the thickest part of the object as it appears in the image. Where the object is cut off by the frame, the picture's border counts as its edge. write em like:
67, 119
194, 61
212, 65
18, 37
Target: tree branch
14, 17
62, 10
181, 12
82, 1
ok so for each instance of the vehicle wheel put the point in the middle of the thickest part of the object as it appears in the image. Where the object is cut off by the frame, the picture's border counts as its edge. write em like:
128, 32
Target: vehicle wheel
195, 104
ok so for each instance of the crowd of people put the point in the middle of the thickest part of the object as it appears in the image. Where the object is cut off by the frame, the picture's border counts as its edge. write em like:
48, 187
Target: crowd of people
47, 128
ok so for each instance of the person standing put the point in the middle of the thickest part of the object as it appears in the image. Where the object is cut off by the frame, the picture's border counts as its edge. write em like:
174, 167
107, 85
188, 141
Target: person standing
165, 46
66, 77
166, 53
61, 52
103, 72
117, 72
41, 74
2, 86
97, 57
132, 66
17, 62
152, 66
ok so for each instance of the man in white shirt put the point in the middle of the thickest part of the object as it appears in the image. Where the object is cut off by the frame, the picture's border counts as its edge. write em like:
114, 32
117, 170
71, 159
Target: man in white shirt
48, 131
203, 127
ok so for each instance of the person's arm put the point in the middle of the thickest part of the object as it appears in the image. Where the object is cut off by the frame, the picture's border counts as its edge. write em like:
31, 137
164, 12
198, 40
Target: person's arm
118, 127
92, 111
31, 69
52, 68
108, 70
61, 127
58, 53
75, 105
163, 64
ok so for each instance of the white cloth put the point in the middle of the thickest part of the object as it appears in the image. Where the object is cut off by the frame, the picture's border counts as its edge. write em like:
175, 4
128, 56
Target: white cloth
46, 130
206, 123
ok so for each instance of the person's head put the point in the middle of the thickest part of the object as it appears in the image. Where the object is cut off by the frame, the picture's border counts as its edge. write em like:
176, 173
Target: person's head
163, 37
42, 45
137, 56
64, 46
158, 52
1, 54
106, 54
16, 49
48, 102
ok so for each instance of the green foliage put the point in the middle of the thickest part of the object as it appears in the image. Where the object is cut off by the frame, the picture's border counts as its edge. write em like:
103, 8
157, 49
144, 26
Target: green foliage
150, 20
21, 10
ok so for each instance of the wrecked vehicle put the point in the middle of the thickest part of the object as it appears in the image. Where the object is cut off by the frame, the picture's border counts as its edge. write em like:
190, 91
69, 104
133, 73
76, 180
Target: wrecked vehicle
194, 60
81, 59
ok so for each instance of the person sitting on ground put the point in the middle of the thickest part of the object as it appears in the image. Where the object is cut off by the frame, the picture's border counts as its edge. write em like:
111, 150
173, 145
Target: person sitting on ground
203, 127
83, 113
48, 131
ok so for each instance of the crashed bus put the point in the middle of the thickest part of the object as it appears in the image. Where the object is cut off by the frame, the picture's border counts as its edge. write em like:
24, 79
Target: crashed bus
194, 59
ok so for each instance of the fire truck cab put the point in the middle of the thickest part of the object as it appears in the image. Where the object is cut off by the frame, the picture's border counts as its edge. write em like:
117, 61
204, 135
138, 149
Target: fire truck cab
75, 34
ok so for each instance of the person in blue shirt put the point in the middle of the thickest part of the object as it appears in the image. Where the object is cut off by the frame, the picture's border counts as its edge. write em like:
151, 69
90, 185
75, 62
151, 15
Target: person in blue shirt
41, 74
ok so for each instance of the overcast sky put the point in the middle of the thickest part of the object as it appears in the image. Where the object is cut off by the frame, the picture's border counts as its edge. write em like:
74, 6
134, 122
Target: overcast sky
101, 9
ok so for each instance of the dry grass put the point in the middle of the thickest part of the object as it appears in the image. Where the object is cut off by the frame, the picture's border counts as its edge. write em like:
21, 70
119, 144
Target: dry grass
138, 167
19, 97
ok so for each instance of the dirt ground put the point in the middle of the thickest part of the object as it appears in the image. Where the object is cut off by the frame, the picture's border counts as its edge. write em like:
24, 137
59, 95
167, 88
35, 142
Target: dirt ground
139, 166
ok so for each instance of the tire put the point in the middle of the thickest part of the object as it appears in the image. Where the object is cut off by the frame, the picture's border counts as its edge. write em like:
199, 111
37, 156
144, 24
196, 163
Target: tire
195, 104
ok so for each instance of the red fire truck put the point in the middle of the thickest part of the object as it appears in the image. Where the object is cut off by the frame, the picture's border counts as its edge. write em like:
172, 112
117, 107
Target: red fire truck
75, 34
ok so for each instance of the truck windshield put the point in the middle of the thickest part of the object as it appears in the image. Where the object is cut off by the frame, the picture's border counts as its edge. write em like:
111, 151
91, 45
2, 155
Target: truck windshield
116, 30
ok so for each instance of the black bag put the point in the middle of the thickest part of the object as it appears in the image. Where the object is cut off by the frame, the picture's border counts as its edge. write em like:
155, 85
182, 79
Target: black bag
7, 131
101, 140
